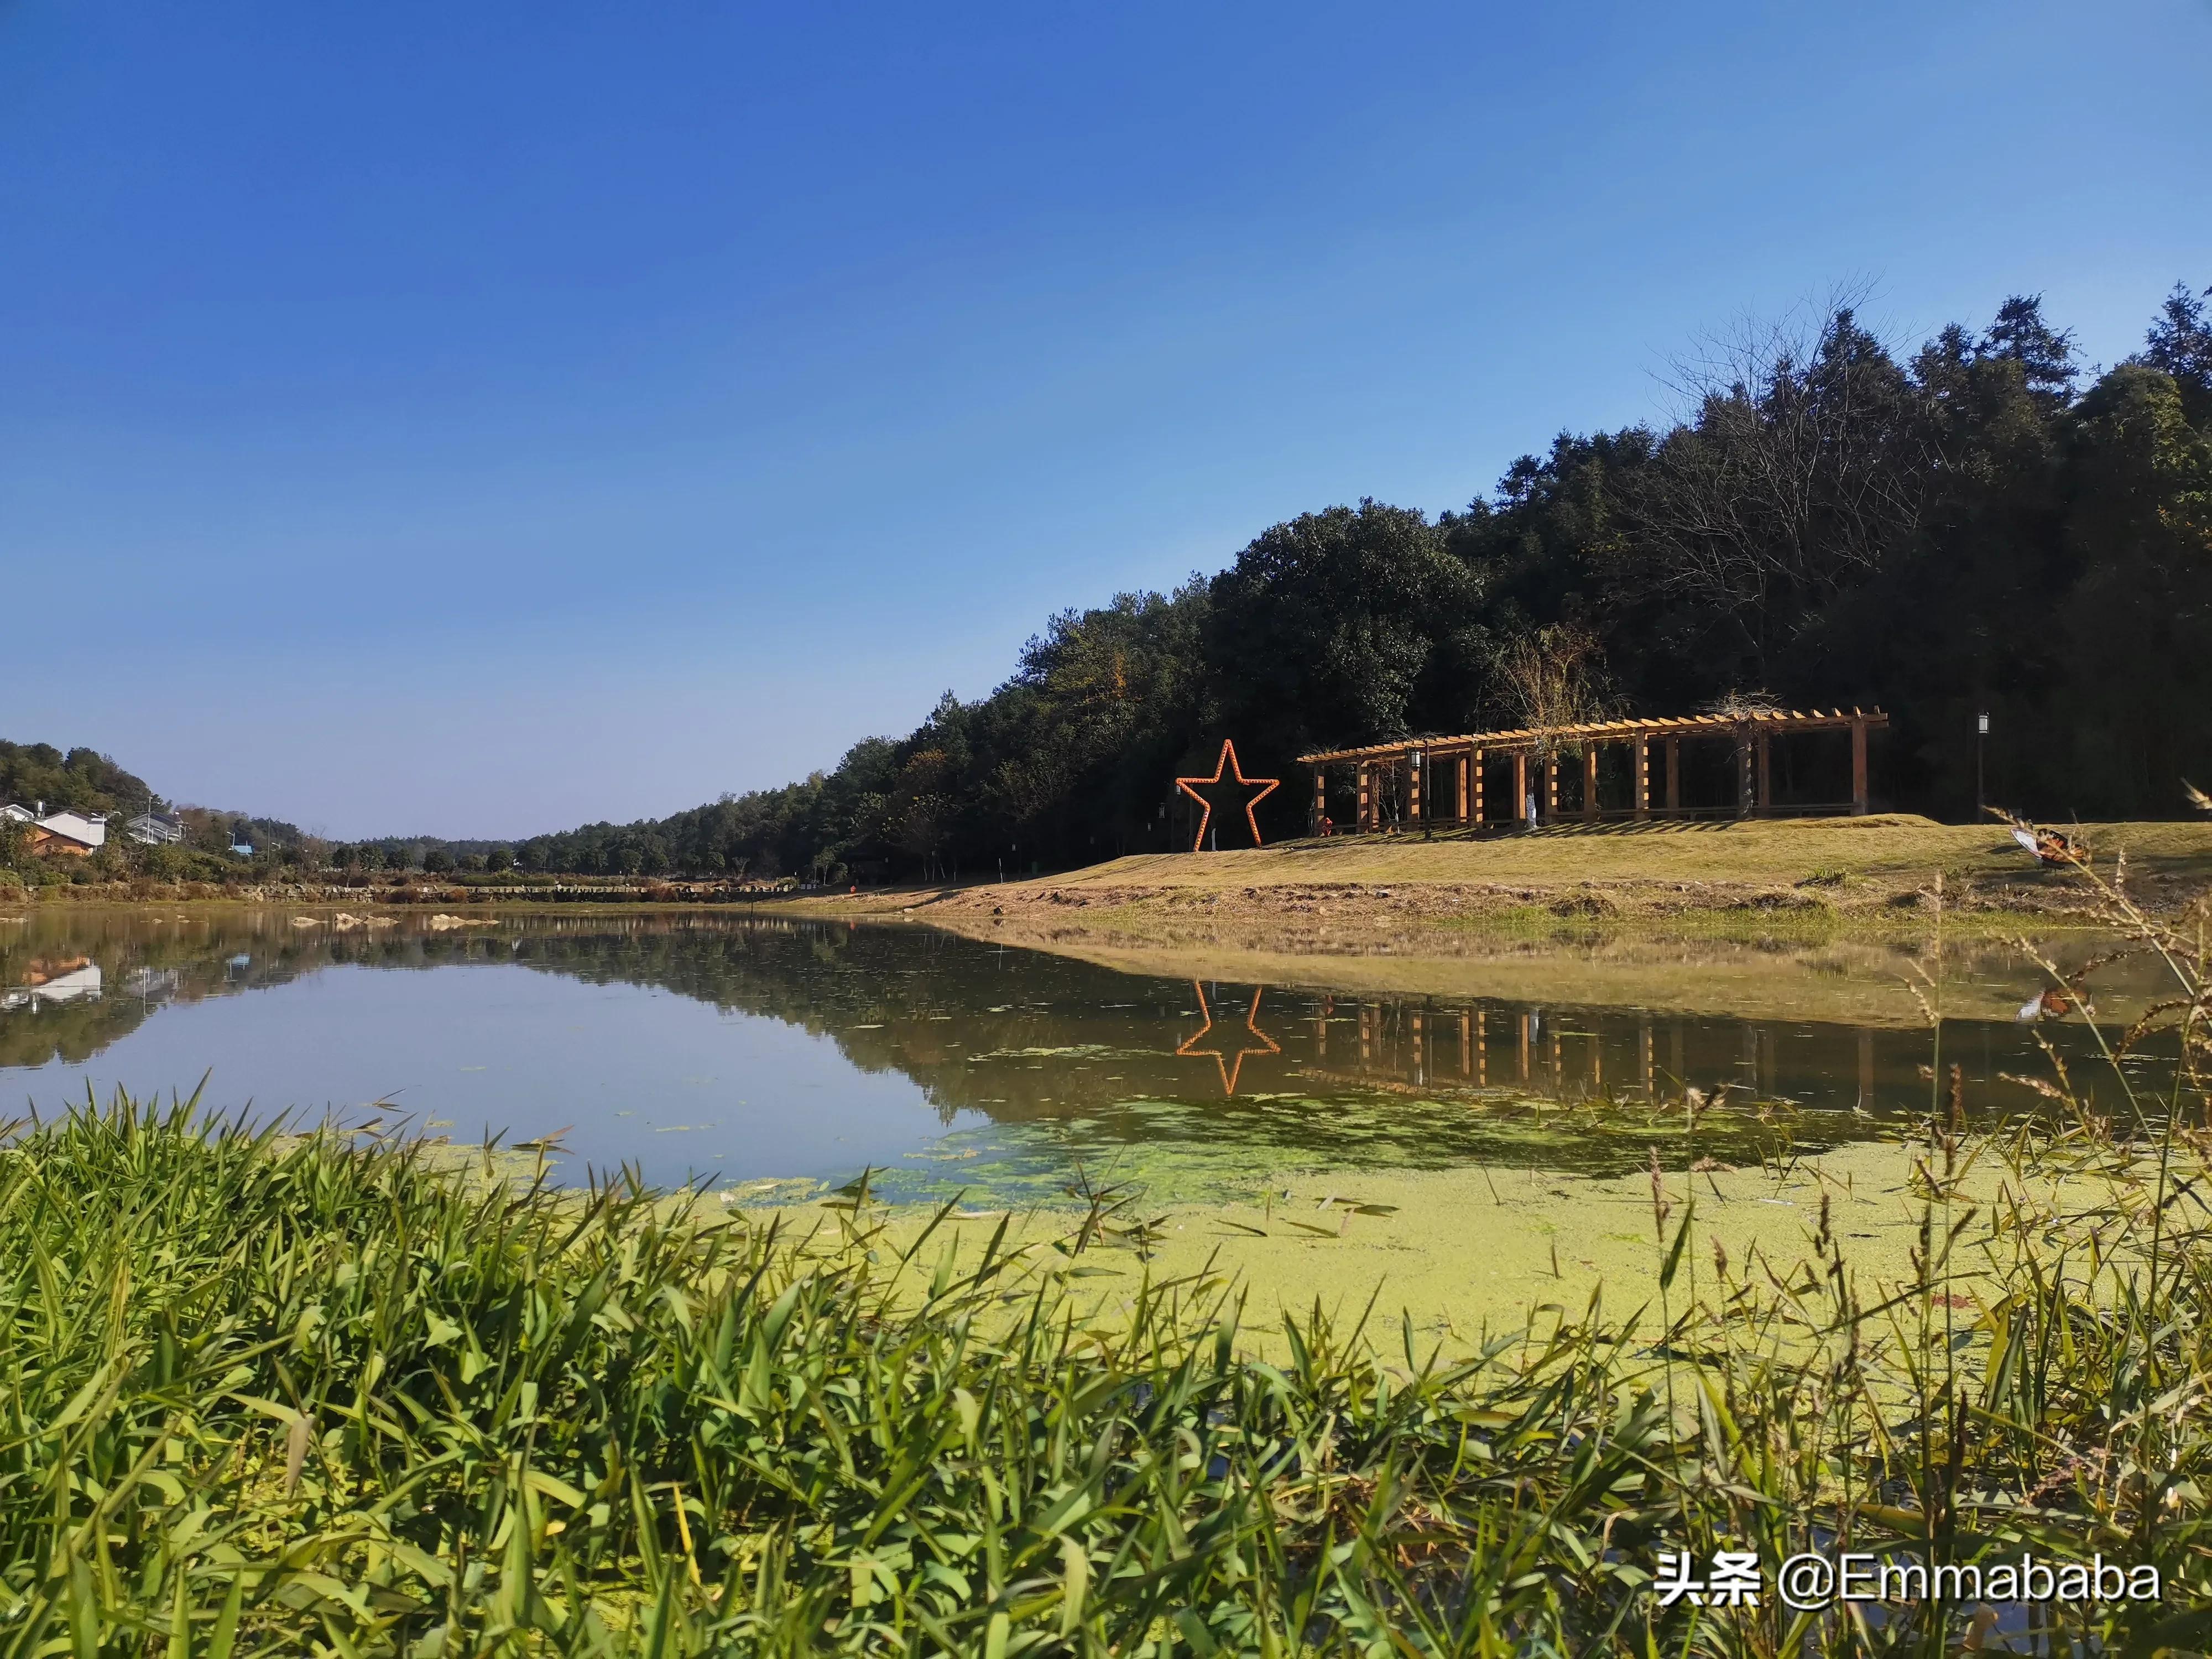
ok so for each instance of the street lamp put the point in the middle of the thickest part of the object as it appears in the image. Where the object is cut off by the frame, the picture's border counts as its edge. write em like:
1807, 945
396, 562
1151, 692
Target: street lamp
1981, 738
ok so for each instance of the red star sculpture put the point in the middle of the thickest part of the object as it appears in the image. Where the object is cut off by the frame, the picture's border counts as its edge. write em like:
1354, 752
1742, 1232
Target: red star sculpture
1230, 1071
1227, 763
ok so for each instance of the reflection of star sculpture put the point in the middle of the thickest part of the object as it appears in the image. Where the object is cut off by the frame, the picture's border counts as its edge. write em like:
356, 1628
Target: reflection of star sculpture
1227, 763
1230, 1070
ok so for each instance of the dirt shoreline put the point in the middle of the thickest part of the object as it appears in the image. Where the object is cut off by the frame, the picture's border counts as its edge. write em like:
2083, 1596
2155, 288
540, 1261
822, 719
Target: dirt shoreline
1683, 917
1877, 874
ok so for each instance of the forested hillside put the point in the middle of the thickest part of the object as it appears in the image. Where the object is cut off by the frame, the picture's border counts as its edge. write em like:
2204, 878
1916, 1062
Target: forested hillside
1980, 522
77, 780
81, 780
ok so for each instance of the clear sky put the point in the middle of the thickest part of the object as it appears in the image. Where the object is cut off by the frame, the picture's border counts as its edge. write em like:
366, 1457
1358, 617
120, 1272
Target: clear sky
479, 419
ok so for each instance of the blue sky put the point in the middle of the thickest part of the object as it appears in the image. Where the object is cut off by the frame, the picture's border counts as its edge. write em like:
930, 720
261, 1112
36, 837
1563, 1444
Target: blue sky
478, 420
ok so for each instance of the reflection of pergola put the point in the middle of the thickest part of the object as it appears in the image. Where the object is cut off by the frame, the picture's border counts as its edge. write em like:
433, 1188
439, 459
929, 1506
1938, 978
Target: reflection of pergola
1452, 781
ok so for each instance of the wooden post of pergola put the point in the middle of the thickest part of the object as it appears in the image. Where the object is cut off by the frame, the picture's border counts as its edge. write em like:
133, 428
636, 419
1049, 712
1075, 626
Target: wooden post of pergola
1673, 774
1366, 797
1589, 783
1765, 773
1413, 770
1320, 800
1552, 786
1639, 761
1465, 763
1520, 786
1743, 784
1474, 768
1859, 765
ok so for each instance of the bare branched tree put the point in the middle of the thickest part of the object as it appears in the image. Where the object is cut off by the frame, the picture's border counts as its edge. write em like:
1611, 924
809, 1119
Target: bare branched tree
1799, 467
1552, 677
1744, 705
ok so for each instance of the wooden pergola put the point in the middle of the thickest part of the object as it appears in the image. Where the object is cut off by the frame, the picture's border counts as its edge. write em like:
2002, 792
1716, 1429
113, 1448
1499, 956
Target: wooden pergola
1441, 781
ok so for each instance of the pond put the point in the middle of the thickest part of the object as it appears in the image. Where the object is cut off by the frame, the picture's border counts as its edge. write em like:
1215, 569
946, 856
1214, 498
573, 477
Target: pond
773, 1055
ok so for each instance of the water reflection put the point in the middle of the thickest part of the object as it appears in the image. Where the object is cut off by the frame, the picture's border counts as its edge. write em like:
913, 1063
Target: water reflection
743, 1049
44, 983
1579, 1055
1231, 1068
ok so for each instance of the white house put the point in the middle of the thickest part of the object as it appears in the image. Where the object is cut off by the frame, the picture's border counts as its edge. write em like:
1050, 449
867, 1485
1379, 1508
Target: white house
71, 832
152, 829
74, 834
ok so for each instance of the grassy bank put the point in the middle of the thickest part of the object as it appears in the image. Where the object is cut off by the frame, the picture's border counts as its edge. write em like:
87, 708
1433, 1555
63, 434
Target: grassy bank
1813, 919
1807, 877
322, 1397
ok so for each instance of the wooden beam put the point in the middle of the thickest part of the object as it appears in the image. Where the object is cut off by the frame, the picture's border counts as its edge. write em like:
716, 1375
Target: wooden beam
1639, 766
1474, 765
1590, 782
1765, 746
1465, 765
1367, 798
1683, 726
1859, 806
1673, 774
1320, 800
1552, 786
1743, 784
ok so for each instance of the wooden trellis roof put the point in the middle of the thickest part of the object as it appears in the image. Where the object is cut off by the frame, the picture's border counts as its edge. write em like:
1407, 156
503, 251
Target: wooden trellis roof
1770, 721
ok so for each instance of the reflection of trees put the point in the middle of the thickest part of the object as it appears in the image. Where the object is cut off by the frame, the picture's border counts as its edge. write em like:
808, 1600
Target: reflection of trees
1023, 1037
71, 1031
148, 962
930, 996
1006, 1033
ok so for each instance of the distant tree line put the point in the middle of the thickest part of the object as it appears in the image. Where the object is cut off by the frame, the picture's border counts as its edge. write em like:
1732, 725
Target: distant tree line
81, 780
1965, 527
72, 780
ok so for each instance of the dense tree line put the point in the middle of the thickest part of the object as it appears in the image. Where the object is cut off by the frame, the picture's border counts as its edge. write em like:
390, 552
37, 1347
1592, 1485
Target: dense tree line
1976, 524
40, 775
76, 780
81, 780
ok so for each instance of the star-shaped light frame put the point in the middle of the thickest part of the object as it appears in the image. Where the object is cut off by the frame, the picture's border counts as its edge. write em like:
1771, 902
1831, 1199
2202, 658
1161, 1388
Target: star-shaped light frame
1229, 1072
1227, 763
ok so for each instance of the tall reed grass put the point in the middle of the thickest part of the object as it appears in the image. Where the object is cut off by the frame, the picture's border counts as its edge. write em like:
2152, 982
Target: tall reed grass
317, 1394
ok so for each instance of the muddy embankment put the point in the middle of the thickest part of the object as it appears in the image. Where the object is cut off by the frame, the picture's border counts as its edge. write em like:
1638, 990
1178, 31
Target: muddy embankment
1819, 919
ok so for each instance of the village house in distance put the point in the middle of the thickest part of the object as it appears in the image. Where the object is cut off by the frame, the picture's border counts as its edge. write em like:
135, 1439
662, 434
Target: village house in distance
153, 830
73, 834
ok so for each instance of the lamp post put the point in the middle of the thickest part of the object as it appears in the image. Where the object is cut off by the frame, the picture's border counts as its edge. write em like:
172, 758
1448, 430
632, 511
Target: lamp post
1981, 738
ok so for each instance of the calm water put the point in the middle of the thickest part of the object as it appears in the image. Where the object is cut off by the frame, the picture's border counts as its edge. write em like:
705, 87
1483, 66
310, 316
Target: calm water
741, 1051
